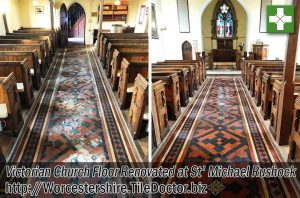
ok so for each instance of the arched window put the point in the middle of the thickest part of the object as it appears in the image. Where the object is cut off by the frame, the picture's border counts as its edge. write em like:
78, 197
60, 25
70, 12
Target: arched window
224, 21
224, 24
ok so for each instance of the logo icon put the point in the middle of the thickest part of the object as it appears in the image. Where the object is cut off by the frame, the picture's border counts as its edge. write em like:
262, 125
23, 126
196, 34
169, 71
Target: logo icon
280, 19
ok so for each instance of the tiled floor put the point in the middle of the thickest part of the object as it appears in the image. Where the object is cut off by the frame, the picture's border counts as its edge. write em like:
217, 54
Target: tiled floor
224, 126
74, 120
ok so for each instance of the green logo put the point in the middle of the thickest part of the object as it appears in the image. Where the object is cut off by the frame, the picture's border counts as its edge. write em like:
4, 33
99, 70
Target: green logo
280, 19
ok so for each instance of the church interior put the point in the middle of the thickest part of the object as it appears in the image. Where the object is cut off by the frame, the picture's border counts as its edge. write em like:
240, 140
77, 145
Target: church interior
225, 91
69, 93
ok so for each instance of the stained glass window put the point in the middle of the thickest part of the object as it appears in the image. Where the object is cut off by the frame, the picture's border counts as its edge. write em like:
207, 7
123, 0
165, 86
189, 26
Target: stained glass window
220, 26
228, 25
224, 23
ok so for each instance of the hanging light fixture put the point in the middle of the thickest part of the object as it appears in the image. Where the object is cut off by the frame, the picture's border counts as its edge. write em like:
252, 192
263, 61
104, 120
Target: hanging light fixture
117, 2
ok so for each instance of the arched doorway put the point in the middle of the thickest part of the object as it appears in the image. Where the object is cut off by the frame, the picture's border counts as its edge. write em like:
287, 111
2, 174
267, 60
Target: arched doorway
187, 53
76, 24
63, 26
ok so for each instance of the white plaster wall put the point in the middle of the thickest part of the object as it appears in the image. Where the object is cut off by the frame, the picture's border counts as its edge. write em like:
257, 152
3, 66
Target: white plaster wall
28, 16
11, 9
168, 46
157, 45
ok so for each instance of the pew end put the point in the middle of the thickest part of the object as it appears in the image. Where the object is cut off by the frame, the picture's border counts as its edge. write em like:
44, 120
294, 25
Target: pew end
22, 72
138, 107
159, 112
11, 112
128, 73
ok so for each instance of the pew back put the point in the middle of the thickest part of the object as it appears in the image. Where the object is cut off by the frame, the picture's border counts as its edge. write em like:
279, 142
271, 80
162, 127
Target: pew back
22, 72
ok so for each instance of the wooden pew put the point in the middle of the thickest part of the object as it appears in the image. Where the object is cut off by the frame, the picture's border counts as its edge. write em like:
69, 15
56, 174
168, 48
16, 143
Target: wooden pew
250, 69
107, 62
138, 113
277, 86
24, 83
246, 64
18, 45
200, 66
116, 63
52, 36
257, 63
133, 47
113, 41
294, 140
159, 111
33, 63
258, 79
102, 36
191, 74
133, 44
258, 82
10, 103
34, 28
266, 92
171, 93
29, 40
183, 82
252, 74
194, 70
56, 32
49, 38
129, 71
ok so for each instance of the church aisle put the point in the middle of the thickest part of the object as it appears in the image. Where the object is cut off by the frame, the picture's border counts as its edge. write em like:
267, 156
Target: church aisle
222, 126
75, 120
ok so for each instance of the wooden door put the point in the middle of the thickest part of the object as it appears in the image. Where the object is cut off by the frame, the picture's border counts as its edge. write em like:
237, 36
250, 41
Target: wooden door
63, 26
187, 53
